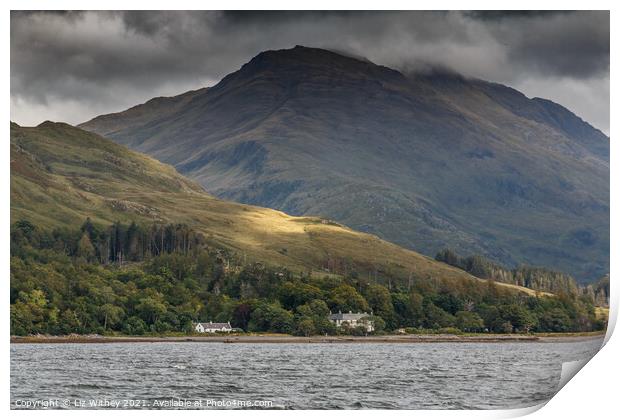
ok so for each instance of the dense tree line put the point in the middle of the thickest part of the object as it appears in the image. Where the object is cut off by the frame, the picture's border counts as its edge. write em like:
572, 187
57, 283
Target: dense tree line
117, 243
537, 278
599, 291
159, 279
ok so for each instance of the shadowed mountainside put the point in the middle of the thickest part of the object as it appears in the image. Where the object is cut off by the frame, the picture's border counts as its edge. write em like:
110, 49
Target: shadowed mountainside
427, 161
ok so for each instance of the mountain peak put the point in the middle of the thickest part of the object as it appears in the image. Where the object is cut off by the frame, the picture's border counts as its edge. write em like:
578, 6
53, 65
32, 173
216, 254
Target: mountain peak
305, 60
301, 52
54, 124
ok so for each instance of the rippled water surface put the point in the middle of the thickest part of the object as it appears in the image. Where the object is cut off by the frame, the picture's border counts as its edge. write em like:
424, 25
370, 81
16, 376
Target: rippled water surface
346, 375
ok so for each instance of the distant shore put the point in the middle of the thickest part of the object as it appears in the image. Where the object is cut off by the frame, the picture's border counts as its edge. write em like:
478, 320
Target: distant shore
286, 339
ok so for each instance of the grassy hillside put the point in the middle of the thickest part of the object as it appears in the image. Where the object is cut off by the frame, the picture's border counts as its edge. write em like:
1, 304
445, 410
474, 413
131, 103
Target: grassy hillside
426, 161
60, 175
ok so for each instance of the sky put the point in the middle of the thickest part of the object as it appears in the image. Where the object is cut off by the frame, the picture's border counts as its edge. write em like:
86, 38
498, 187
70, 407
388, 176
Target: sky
73, 66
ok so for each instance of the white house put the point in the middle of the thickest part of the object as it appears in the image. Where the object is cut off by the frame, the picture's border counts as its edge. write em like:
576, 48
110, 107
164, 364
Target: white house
212, 327
352, 320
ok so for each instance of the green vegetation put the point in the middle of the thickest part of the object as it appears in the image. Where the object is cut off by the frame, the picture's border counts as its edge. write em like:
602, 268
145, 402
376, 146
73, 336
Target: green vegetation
536, 278
152, 279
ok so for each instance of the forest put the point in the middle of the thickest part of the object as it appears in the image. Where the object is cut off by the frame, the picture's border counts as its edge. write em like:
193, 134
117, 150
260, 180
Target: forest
537, 278
157, 279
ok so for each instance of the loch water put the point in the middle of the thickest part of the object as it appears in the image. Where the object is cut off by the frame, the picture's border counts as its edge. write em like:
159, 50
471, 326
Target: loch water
291, 376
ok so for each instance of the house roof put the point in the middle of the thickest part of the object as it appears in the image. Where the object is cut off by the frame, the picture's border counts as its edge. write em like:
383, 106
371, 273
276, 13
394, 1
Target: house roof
216, 325
348, 317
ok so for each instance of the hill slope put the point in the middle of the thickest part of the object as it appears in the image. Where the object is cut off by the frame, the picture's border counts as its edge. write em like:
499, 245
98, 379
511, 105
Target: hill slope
426, 161
60, 175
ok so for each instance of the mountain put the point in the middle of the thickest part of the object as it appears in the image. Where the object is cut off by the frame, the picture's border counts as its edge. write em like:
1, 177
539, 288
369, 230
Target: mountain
427, 161
60, 175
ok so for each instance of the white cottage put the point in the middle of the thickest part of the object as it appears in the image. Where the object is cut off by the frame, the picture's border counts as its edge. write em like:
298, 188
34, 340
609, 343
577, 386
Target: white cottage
212, 327
353, 320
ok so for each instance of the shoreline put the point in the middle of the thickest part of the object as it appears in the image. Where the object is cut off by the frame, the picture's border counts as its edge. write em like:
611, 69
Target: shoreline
284, 339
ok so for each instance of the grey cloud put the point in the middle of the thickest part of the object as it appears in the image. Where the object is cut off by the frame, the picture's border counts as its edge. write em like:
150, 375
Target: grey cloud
107, 61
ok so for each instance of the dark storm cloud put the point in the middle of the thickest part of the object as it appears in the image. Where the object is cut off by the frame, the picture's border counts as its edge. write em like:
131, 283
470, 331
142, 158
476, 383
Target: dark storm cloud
72, 66
567, 44
511, 14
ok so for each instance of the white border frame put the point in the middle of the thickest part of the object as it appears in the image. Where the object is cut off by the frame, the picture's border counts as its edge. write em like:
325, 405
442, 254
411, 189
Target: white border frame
592, 393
